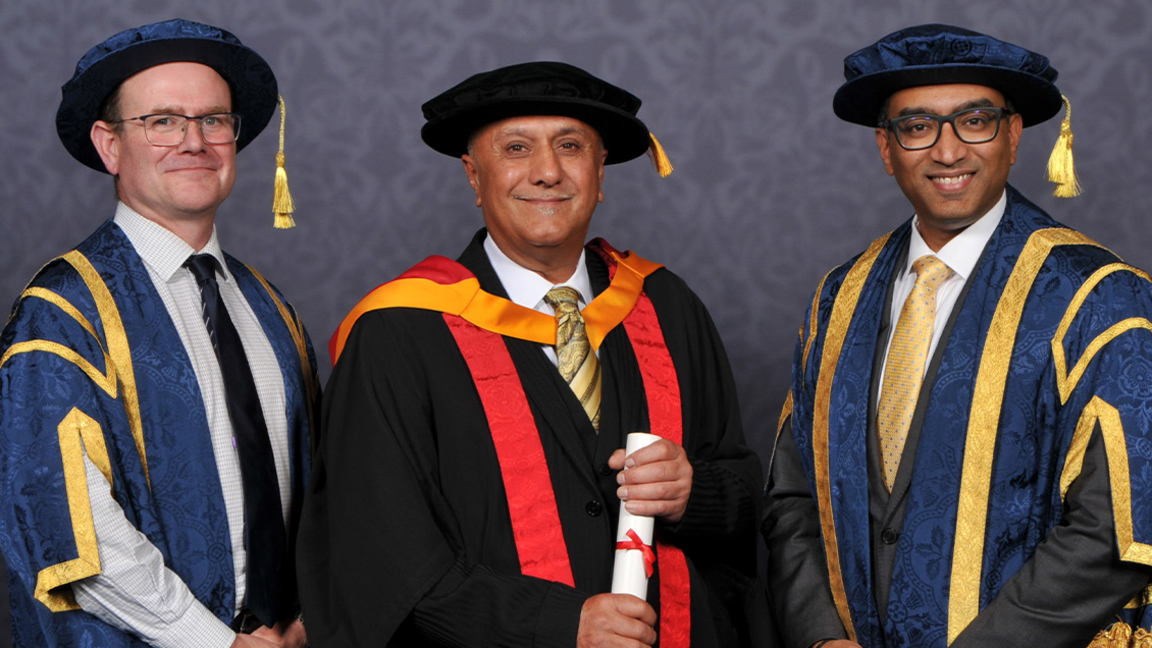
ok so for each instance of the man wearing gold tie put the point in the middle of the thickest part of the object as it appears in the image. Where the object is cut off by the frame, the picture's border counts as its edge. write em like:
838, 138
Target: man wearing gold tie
963, 459
470, 471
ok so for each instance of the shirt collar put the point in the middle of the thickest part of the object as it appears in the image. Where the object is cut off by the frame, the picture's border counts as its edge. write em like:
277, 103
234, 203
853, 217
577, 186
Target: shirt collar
527, 288
963, 252
162, 250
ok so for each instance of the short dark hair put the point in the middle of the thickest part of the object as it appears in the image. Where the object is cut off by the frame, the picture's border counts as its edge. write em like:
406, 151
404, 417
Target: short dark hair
110, 108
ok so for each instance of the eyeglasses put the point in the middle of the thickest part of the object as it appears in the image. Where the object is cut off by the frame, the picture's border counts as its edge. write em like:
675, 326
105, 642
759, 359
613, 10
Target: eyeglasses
972, 126
166, 129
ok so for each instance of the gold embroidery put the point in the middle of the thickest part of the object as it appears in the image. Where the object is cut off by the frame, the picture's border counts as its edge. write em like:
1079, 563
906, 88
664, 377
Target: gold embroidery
1121, 635
63, 305
983, 422
1143, 599
1067, 381
118, 349
78, 433
838, 325
105, 381
1116, 447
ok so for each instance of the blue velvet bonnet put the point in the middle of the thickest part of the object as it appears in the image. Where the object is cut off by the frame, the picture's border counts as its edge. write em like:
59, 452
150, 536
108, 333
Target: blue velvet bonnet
107, 65
942, 54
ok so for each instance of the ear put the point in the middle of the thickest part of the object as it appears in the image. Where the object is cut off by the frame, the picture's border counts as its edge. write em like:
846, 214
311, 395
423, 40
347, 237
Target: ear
884, 143
473, 173
1015, 128
107, 143
600, 172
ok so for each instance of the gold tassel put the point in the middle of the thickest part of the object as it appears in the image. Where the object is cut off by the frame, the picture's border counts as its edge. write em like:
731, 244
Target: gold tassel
656, 152
1061, 167
282, 205
1118, 635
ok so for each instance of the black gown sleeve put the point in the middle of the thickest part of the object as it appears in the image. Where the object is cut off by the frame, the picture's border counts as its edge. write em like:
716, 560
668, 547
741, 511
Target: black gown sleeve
1068, 589
797, 568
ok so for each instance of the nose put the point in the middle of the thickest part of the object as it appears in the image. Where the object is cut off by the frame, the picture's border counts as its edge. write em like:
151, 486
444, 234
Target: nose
545, 167
949, 149
193, 138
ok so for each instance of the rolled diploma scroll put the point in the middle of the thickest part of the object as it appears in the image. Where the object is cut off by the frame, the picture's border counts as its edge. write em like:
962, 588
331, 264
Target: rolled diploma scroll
629, 574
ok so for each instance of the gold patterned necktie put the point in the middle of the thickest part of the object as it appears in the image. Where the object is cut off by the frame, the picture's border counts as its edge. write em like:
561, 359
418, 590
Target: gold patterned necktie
907, 356
574, 356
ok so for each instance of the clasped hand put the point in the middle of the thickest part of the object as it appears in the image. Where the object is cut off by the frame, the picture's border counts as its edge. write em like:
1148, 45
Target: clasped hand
657, 480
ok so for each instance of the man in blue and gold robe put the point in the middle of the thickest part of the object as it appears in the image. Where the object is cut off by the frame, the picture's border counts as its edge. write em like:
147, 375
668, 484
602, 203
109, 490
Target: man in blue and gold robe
1002, 499
124, 511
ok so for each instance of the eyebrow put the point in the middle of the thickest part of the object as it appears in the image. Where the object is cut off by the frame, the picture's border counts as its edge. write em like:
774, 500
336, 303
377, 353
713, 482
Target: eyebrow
179, 110
924, 110
523, 132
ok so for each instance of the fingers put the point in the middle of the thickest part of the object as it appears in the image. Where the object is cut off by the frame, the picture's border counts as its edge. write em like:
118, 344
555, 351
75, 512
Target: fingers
616, 621
656, 481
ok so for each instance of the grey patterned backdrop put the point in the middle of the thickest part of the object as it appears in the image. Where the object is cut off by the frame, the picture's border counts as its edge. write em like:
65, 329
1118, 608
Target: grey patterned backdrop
770, 189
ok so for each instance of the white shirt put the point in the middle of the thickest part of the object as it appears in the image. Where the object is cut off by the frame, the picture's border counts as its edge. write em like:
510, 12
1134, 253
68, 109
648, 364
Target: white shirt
961, 255
135, 591
527, 288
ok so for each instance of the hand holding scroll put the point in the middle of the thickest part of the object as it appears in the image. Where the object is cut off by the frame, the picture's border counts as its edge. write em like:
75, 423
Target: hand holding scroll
657, 481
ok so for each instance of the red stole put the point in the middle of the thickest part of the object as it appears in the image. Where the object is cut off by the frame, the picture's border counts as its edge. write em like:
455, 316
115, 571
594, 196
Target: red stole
477, 321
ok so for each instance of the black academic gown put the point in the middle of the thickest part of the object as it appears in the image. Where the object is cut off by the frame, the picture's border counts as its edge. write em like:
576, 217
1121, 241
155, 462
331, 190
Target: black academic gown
407, 538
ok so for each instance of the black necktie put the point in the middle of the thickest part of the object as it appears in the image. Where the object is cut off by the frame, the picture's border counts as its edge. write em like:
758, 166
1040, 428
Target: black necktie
264, 535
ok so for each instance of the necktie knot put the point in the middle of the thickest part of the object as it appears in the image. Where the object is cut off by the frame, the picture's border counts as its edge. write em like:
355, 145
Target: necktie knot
574, 356
931, 270
562, 296
203, 266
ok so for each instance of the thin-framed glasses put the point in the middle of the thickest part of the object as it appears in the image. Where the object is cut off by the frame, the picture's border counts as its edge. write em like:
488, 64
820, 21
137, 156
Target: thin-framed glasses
972, 126
167, 129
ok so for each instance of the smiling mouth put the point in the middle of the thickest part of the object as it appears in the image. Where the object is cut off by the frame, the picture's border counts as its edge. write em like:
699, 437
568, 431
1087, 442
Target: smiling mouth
199, 168
951, 181
543, 198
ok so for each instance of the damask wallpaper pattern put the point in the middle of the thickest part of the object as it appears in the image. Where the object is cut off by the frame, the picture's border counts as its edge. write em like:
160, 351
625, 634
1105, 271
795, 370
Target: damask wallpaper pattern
770, 189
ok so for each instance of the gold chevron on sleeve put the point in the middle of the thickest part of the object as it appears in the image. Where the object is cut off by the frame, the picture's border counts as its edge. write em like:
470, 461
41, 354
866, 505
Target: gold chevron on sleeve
79, 434
105, 380
1116, 447
1066, 380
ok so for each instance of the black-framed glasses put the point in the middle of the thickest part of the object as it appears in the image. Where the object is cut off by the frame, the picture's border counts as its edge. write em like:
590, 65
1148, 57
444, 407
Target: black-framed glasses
167, 129
972, 126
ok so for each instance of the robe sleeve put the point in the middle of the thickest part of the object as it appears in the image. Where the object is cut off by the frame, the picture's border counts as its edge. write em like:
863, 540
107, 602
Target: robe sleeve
724, 505
135, 591
1098, 557
797, 568
59, 395
1073, 584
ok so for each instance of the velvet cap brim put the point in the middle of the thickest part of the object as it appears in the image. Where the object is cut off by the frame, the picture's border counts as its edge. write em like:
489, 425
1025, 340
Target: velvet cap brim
529, 89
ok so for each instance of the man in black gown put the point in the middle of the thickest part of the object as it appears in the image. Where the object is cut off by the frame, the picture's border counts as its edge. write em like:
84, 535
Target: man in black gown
466, 492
